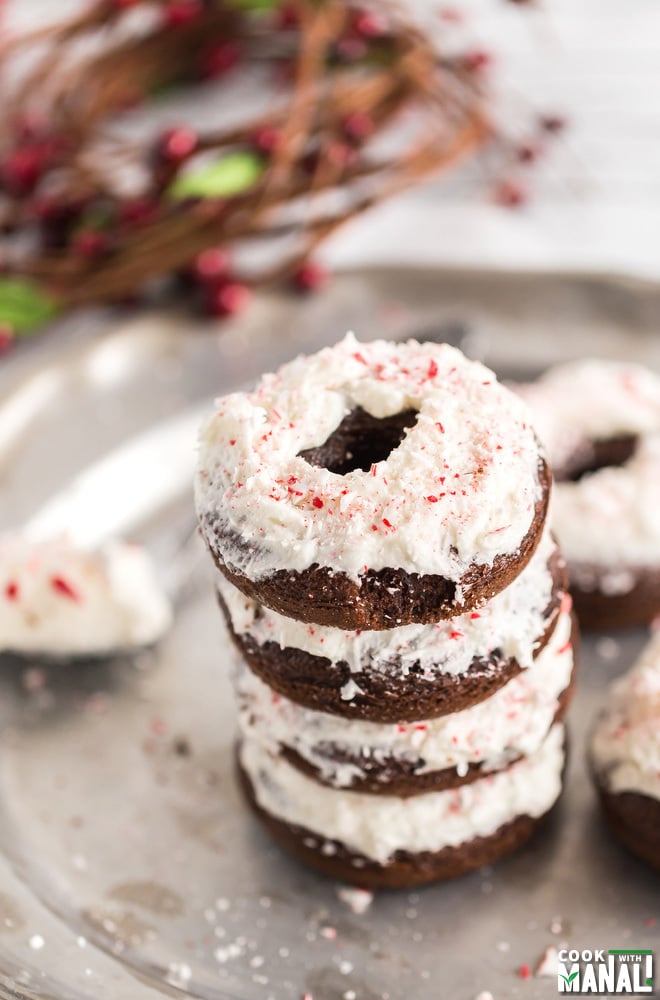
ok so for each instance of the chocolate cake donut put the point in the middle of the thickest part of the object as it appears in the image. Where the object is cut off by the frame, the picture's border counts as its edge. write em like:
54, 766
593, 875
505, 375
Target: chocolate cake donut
625, 757
412, 672
383, 841
406, 759
372, 486
600, 421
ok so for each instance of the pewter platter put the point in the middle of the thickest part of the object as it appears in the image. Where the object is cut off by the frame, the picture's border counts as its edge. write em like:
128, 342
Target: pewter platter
129, 869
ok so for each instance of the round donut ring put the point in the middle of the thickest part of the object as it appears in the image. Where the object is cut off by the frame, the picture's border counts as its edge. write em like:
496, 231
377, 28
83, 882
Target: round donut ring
372, 485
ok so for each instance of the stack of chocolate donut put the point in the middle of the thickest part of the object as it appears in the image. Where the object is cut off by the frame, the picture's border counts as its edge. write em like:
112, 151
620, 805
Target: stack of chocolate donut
377, 513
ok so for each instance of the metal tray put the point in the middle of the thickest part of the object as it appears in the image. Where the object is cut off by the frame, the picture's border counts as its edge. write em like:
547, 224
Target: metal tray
129, 867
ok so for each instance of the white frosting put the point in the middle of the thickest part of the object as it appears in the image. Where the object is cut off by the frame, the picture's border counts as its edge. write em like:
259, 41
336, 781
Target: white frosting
611, 519
377, 826
625, 745
512, 622
459, 490
608, 522
62, 601
511, 723
592, 400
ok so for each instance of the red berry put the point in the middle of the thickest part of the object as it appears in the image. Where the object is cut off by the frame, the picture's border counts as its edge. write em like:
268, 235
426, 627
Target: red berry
124, 4
179, 13
368, 24
219, 58
178, 144
7, 337
358, 127
211, 265
310, 277
56, 219
477, 60
23, 170
229, 299
267, 139
511, 194
552, 123
90, 243
137, 211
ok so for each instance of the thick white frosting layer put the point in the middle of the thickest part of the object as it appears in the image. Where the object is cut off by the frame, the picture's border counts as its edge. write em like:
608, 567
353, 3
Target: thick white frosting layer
459, 490
625, 745
379, 825
607, 523
512, 622
592, 400
512, 723
611, 519
56, 599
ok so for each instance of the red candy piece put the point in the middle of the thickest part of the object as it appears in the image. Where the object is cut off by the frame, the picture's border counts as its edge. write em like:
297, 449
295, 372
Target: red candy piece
62, 587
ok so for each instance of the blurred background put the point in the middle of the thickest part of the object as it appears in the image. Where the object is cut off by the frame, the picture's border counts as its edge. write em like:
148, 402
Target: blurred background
486, 134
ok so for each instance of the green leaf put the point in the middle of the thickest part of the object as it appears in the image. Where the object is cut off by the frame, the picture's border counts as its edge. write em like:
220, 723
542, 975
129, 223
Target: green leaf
229, 176
24, 305
572, 977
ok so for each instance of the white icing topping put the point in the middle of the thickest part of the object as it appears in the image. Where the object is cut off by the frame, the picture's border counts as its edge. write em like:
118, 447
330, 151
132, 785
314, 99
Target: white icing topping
611, 518
609, 521
592, 400
511, 723
379, 825
512, 622
459, 489
625, 745
58, 600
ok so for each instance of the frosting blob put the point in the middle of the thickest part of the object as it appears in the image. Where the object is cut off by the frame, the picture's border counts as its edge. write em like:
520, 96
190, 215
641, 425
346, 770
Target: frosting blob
61, 601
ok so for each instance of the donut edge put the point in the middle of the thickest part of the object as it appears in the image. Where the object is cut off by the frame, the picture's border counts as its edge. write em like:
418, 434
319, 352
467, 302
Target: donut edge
385, 598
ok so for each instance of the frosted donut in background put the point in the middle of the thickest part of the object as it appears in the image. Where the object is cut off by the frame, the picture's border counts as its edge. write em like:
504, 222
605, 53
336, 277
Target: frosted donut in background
625, 756
600, 421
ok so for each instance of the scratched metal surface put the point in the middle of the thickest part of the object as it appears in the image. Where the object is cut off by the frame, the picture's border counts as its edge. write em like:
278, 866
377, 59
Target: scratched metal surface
128, 865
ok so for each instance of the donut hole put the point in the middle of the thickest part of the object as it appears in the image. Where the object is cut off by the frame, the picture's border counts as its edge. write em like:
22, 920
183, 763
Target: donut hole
609, 453
359, 441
